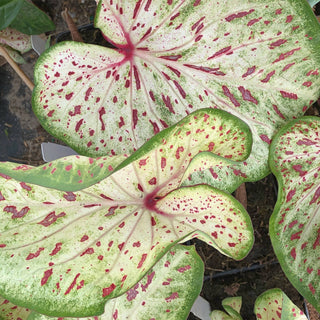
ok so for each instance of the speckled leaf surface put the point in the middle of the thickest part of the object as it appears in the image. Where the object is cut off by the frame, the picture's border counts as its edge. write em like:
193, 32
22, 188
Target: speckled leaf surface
9, 311
232, 306
275, 305
294, 224
15, 39
168, 290
89, 246
257, 60
72, 173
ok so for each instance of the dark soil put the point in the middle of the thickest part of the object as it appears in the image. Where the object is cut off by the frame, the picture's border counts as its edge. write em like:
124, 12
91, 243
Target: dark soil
21, 136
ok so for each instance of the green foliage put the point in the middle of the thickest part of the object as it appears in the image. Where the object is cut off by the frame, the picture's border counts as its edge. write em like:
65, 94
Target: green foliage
254, 59
24, 17
294, 224
273, 304
86, 247
168, 289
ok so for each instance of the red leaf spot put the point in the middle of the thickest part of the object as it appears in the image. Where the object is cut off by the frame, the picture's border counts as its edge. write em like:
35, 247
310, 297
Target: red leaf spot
265, 138
135, 117
102, 111
68, 167
121, 225
311, 288
275, 108
153, 221
152, 181
107, 291
136, 244
307, 84
155, 127
277, 43
228, 94
46, 276
84, 238
136, 76
70, 196
88, 251
163, 162
72, 284
121, 123
293, 253
76, 110
183, 269
317, 241
51, 218
268, 76
88, 92
25, 186
78, 125
231, 244
246, 95
249, 71
15, 213
167, 102
289, 95
69, 96
238, 15
34, 255
2, 245
290, 194
50, 113
172, 58
143, 258
57, 74
120, 246
298, 168
180, 89
56, 249
180, 149
220, 52
173, 296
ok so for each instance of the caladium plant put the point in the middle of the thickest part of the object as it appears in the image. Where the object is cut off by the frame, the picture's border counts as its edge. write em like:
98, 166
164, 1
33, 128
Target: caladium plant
15, 43
273, 304
256, 60
86, 247
169, 288
294, 224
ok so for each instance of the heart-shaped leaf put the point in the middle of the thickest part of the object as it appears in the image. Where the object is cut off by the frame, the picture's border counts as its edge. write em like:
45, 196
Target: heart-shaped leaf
294, 224
9, 311
256, 60
170, 288
83, 248
232, 306
275, 305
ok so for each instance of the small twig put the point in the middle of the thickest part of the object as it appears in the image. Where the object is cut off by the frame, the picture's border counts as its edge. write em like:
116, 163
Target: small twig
16, 68
241, 195
72, 26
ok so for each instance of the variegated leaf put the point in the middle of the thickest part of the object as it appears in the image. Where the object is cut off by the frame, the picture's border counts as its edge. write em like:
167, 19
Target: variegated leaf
167, 291
275, 305
72, 173
9, 311
295, 222
232, 306
15, 39
83, 248
257, 60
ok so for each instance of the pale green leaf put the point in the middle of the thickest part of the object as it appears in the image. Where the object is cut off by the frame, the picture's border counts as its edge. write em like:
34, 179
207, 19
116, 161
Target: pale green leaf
256, 60
294, 224
275, 305
67, 253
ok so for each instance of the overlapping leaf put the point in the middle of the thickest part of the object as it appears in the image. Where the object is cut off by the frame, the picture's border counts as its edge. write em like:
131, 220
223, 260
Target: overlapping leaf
274, 304
254, 59
294, 225
67, 253
168, 290
232, 306
66, 174
9, 311
15, 39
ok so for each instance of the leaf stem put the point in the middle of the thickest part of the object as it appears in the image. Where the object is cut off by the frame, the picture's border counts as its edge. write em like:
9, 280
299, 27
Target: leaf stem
16, 68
